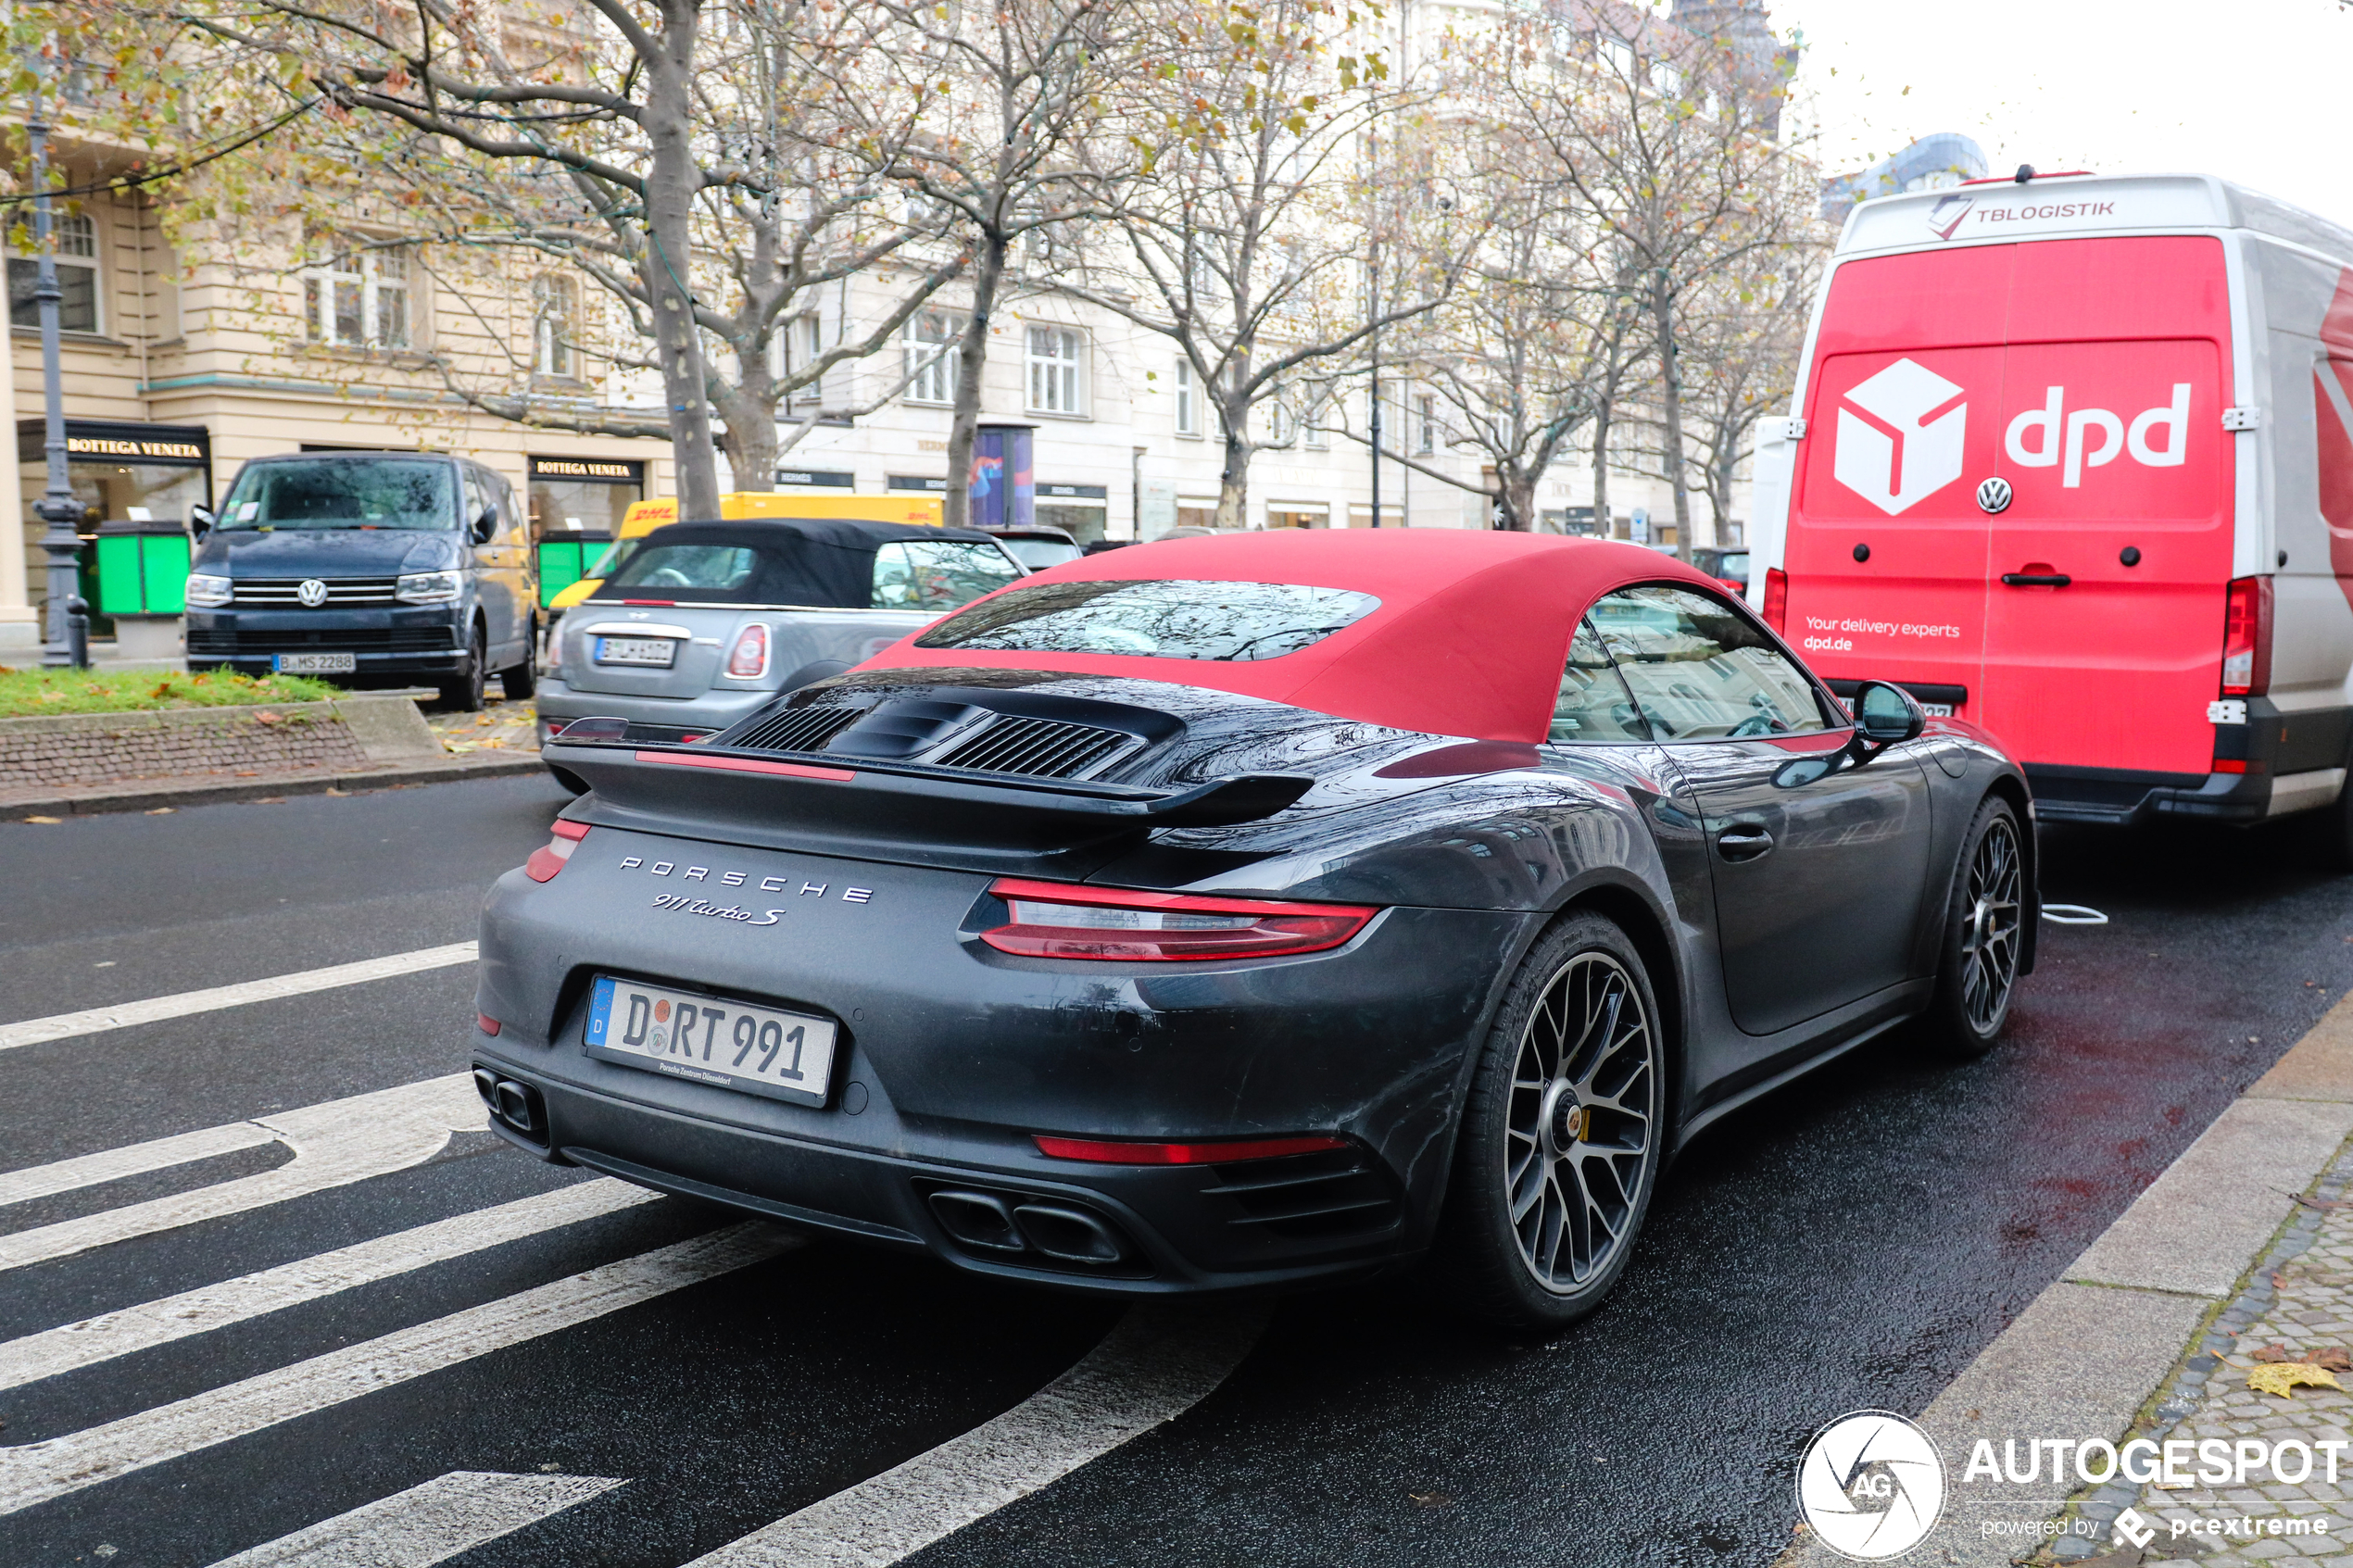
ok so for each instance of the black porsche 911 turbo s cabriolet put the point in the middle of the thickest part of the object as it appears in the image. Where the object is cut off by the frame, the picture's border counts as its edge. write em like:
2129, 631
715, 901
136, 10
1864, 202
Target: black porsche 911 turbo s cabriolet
1250, 911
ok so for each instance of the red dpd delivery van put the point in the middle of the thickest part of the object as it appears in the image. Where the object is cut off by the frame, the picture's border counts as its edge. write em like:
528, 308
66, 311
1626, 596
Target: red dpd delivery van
2073, 459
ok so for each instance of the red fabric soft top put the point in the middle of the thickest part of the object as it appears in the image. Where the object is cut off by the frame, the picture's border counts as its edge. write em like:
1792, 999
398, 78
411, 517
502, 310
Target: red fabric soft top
1469, 639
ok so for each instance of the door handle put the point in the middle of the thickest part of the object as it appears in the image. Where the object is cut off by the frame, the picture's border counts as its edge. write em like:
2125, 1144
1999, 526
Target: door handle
2036, 579
1742, 841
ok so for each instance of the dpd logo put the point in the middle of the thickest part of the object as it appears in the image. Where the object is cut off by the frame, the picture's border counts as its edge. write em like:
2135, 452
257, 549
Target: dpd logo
1899, 436
1871, 1485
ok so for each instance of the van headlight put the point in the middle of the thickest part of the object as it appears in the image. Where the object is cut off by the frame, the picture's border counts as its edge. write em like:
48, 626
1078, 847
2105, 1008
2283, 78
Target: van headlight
426, 588
209, 591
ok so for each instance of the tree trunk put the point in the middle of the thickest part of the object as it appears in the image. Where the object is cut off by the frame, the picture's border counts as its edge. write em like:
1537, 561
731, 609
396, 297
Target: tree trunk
749, 410
1603, 524
989, 271
671, 181
1233, 480
1663, 316
1518, 487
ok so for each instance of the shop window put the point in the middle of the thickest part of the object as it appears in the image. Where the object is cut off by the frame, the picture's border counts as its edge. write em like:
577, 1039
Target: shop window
1055, 385
933, 371
555, 309
75, 245
358, 299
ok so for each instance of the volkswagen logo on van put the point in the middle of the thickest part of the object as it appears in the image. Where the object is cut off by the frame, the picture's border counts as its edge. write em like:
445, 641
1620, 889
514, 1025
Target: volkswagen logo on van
1993, 496
311, 592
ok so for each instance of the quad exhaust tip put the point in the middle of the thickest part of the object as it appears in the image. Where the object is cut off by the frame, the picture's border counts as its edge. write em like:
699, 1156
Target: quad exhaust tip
987, 1224
512, 1105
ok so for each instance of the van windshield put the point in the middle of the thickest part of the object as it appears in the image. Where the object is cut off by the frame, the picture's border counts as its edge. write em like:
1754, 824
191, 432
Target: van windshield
390, 492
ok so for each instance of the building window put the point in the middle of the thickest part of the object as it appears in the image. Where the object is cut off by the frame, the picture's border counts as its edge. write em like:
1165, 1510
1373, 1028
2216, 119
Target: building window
553, 307
1055, 356
1426, 441
1187, 400
1278, 423
359, 300
933, 371
1619, 55
804, 345
1319, 435
75, 237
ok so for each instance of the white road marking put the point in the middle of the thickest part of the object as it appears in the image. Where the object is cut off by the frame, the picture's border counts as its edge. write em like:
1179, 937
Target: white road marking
35, 1473
155, 1010
426, 1525
92, 1340
1159, 1362
334, 1144
161, 1154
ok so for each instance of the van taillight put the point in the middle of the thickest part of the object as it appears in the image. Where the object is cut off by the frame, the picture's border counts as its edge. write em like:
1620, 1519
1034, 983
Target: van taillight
2247, 638
1776, 596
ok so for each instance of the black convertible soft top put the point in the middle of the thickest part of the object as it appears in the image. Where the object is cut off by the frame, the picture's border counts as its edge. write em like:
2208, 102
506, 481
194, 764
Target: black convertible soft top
822, 562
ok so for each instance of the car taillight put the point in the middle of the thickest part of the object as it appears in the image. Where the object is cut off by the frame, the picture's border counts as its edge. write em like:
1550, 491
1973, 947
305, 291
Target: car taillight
549, 857
1775, 598
2247, 638
1053, 920
747, 660
1105, 1151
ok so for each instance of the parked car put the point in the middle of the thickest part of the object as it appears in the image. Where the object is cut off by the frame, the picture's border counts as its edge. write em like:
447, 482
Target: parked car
1039, 547
1218, 914
371, 568
2074, 459
644, 517
705, 622
1728, 565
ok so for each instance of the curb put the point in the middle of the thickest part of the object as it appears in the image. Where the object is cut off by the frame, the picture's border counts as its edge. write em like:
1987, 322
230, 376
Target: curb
155, 793
2131, 1317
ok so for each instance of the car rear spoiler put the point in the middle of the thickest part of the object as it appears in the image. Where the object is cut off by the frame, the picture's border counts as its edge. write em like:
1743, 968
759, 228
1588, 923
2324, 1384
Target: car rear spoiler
754, 797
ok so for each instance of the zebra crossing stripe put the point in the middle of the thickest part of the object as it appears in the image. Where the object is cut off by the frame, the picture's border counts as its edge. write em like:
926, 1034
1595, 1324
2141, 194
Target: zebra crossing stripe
426, 1525
1160, 1362
155, 1009
137, 1160
36, 1473
334, 1144
75, 1345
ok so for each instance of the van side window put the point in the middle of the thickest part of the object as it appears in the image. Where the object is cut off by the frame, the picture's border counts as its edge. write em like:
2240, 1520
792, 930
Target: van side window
1595, 707
1699, 669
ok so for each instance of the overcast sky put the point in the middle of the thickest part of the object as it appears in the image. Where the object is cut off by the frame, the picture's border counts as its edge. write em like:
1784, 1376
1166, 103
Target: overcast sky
2255, 91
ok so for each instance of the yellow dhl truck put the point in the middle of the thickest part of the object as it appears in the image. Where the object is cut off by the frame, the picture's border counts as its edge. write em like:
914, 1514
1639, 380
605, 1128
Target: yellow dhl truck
644, 517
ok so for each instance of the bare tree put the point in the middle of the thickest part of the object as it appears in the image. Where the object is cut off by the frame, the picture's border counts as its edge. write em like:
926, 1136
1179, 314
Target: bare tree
1741, 351
1671, 143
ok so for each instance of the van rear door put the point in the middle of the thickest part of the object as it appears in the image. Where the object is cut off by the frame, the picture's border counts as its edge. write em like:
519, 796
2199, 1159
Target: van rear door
2113, 449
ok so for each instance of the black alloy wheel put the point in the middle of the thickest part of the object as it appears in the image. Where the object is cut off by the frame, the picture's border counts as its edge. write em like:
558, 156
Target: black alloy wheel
465, 693
1985, 934
1562, 1134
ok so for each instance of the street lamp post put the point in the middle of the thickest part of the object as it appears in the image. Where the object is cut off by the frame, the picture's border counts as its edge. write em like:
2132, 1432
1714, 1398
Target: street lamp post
57, 506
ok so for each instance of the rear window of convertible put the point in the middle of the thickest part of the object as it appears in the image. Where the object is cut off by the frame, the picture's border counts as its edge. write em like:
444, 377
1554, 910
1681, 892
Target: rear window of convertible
1233, 621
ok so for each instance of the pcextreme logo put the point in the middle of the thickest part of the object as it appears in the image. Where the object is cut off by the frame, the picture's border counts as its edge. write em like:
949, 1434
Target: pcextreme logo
1899, 436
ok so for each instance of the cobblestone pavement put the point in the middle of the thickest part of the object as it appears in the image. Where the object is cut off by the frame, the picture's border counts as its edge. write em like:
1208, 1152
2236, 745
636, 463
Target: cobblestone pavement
2297, 1303
502, 725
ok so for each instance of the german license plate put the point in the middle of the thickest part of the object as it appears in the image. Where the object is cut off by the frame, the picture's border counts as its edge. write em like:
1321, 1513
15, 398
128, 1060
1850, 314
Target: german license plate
314, 664
784, 1055
1937, 710
659, 652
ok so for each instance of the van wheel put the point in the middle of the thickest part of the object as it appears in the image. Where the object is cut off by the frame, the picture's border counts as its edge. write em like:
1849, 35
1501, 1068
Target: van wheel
465, 693
1561, 1137
522, 680
1985, 931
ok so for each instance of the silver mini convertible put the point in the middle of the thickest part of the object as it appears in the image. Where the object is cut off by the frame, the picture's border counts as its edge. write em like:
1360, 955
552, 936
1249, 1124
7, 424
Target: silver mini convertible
704, 622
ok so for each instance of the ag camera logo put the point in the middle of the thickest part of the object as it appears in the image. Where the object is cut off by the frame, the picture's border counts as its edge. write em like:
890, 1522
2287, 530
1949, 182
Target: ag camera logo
1900, 441
1871, 1485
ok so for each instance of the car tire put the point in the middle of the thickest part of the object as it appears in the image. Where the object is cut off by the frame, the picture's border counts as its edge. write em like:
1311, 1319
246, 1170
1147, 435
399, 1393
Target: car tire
1985, 935
520, 680
1562, 1134
465, 693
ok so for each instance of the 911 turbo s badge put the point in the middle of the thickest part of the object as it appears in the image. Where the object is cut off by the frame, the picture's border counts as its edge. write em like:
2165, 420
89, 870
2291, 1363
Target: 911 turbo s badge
681, 903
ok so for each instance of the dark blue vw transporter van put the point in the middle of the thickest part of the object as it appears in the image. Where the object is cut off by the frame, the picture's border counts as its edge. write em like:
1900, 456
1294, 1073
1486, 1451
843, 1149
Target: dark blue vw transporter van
371, 569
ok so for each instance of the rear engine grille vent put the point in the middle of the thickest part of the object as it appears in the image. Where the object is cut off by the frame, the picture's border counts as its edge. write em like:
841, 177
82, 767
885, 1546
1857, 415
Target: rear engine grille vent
1045, 748
1337, 1194
797, 729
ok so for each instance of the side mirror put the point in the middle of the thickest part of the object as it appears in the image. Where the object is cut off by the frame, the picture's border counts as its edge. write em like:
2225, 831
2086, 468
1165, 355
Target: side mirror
200, 521
485, 526
1885, 715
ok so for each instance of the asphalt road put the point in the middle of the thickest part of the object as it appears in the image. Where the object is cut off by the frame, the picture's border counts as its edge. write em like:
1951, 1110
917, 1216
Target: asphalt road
1852, 1242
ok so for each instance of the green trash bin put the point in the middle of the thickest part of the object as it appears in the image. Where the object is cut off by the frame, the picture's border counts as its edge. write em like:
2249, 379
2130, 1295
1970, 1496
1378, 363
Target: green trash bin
142, 584
564, 558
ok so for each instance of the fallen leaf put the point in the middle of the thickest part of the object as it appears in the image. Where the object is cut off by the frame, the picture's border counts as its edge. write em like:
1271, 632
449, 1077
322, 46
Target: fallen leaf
2325, 1204
2336, 1358
2281, 1377
2270, 1353
265, 717
48, 820
1430, 1498
162, 812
